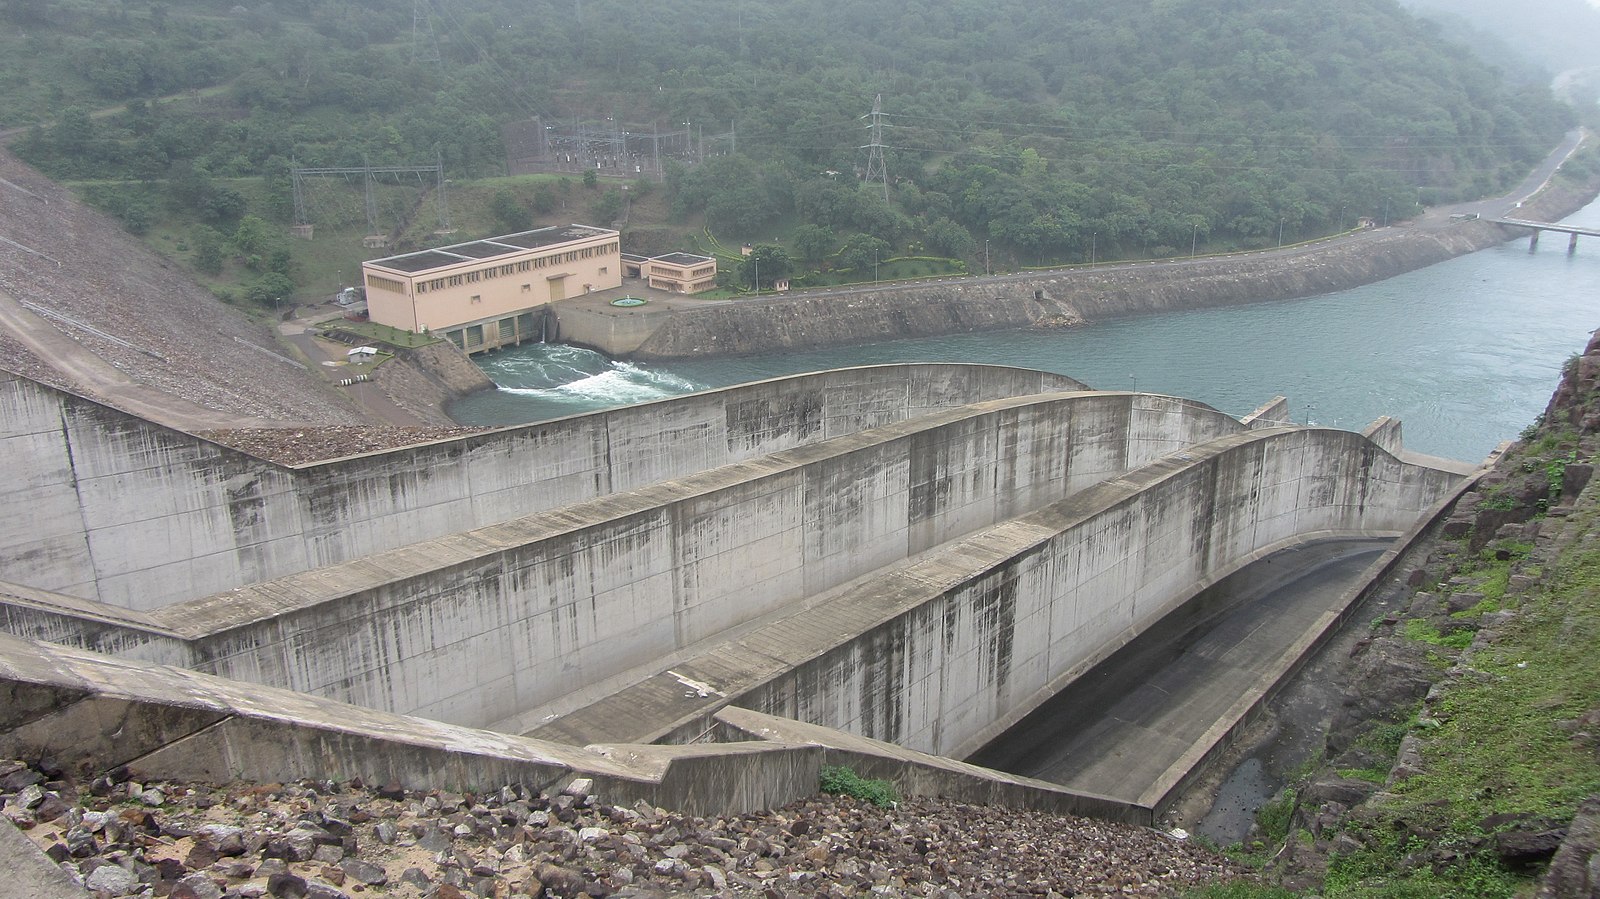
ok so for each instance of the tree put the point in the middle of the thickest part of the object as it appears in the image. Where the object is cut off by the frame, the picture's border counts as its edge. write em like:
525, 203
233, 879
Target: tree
545, 198
590, 178
947, 238
863, 252
209, 253
608, 208
508, 213
269, 288
255, 240
765, 264
813, 243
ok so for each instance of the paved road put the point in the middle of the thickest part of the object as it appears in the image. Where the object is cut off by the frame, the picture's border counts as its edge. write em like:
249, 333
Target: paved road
1120, 727
105, 381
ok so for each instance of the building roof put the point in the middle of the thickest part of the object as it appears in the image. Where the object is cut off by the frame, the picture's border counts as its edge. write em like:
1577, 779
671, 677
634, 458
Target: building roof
488, 248
681, 259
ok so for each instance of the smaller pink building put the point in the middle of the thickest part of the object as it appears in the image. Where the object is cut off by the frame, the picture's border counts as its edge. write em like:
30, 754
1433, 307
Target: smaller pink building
673, 272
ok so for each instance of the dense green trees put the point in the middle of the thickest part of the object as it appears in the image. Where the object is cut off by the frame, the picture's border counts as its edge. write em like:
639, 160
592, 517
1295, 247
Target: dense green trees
1051, 131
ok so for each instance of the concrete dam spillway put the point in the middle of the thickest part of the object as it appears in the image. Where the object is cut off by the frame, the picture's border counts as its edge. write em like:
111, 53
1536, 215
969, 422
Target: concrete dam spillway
697, 600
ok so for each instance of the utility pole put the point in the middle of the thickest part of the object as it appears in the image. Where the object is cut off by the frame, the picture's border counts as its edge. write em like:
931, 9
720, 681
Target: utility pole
877, 169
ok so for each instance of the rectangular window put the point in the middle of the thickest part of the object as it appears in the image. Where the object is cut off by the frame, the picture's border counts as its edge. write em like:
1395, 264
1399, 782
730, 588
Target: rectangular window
476, 298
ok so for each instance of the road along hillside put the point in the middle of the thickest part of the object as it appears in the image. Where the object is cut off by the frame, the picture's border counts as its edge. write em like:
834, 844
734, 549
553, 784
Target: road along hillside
1066, 297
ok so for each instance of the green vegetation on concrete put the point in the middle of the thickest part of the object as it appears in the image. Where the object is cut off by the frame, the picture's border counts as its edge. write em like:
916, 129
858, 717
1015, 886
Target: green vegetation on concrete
841, 781
382, 333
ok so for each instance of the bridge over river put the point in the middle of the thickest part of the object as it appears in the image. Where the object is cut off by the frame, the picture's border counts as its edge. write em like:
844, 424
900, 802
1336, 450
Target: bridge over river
697, 601
1575, 231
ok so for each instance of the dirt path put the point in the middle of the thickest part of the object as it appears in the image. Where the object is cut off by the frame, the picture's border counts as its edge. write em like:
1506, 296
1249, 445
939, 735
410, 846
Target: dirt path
102, 379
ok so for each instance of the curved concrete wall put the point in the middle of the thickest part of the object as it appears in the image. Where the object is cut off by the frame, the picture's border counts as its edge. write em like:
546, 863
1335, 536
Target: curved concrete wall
141, 516
954, 647
478, 627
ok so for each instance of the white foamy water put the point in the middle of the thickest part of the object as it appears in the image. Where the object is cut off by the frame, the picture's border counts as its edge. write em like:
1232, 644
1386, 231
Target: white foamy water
556, 380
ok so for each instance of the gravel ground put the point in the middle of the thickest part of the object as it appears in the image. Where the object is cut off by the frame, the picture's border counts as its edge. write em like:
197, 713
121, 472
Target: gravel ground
297, 446
18, 359
169, 332
327, 841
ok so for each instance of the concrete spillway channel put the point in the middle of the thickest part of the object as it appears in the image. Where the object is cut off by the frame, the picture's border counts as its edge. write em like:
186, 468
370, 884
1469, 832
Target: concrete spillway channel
1121, 727
917, 555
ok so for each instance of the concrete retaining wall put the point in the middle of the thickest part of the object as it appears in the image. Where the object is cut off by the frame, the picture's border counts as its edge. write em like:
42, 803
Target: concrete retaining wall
977, 635
93, 714
814, 319
479, 627
141, 516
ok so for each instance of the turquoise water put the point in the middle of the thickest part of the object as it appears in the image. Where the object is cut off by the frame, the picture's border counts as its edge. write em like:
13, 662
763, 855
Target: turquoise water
1465, 353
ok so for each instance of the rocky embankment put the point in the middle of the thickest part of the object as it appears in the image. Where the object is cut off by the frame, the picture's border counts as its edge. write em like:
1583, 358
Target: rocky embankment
110, 309
1065, 298
340, 841
1465, 757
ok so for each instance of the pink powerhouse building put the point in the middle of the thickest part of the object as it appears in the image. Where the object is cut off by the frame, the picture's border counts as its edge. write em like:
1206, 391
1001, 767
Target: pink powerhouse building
491, 293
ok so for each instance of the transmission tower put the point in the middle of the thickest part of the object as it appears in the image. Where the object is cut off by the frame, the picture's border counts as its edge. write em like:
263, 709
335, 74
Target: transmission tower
424, 43
877, 170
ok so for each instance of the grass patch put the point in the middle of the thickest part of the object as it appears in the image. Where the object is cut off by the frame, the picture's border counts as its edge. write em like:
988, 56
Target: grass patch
1498, 748
384, 333
845, 782
1423, 631
1239, 890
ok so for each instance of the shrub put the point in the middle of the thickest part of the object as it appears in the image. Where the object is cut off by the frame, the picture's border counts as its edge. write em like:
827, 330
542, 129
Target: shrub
845, 782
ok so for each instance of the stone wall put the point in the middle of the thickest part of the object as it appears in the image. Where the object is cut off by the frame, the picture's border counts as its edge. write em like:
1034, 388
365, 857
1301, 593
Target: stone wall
141, 516
960, 305
424, 380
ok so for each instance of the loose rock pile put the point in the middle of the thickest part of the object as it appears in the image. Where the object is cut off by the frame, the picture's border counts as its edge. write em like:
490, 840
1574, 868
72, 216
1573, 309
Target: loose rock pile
297, 446
319, 840
168, 332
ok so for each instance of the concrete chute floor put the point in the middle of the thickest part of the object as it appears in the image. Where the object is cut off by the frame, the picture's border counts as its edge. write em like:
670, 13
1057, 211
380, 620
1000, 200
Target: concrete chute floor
1123, 725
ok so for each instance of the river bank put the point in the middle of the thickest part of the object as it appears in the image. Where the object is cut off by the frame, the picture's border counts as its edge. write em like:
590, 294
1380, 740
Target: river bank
1446, 741
1082, 295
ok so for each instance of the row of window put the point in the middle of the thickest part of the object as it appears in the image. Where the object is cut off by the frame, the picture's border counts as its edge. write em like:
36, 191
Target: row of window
511, 268
388, 284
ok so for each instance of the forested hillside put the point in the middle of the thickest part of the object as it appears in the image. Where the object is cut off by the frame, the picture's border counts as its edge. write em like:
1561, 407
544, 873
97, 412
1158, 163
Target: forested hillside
1051, 131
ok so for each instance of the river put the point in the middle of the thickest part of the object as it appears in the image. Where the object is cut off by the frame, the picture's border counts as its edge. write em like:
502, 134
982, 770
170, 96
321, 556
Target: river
1465, 353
